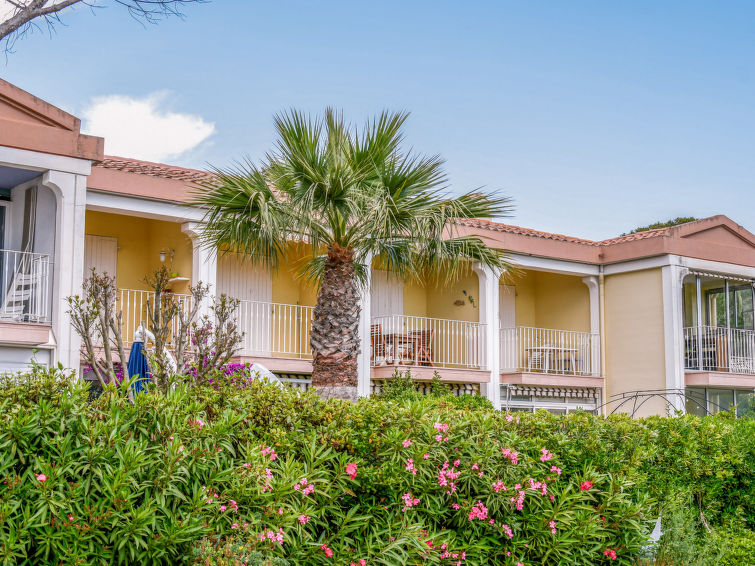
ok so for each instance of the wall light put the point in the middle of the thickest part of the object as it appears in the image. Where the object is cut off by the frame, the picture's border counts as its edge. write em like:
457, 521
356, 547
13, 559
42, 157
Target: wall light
165, 252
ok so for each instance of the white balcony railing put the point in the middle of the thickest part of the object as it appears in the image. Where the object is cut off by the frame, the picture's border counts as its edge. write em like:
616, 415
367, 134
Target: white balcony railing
713, 348
545, 350
270, 329
25, 279
133, 305
422, 341
275, 329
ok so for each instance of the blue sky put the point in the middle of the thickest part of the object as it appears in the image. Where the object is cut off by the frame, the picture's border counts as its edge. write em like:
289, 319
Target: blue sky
595, 117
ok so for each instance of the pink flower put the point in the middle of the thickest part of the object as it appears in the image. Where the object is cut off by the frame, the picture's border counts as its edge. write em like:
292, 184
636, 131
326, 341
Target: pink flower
455, 506
509, 418
586, 485
457, 463
552, 525
479, 511
475, 466
426, 456
280, 510
41, 478
610, 554
351, 469
409, 501
235, 526
508, 531
303, 519
498, 486
222, 508
512, 455
406, 443
307, 490
492, 521
70, 518
328, 552
410, 466
555, 469
439, 438
362, 562
266, 450
546, 455
441, 427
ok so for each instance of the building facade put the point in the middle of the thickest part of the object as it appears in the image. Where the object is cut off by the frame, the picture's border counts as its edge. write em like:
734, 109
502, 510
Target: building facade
639, 323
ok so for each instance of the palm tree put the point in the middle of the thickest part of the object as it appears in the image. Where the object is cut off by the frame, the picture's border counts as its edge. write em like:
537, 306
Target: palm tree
352, 196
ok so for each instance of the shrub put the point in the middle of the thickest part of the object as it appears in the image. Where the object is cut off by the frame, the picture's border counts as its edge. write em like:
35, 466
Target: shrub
216, 475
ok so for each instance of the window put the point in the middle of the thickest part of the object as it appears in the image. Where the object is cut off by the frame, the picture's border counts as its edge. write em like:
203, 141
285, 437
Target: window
703, 401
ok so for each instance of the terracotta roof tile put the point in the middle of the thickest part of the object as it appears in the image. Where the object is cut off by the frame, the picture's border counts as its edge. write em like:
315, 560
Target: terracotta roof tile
159, 170
511, 229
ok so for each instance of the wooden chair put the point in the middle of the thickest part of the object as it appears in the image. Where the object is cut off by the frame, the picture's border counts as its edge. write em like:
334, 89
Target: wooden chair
380, 349
422, 344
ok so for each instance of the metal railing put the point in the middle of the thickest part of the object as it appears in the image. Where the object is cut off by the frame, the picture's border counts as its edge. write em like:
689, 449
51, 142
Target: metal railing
545, 350
422, 341
715, 348
275, 329
25, 279
133, 305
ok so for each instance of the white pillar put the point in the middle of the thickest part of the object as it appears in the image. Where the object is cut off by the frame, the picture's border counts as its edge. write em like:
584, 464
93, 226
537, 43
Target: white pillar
68, 264
672, 278
488, 292
204, 264
365, 321
595, 330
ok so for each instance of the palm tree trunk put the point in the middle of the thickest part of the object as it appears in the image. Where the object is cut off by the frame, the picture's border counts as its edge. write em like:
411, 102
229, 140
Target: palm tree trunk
335, 328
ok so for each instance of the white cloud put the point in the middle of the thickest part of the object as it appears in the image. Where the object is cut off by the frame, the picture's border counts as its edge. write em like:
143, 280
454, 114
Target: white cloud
141, 128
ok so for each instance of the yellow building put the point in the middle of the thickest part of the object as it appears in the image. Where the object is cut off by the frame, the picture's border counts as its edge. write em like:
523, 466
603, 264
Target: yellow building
645, 323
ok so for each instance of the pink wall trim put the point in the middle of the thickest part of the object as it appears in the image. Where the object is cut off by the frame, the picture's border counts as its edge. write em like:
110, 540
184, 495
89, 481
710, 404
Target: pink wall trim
719, 379
552, 380
28, 122
424, 373
24, 333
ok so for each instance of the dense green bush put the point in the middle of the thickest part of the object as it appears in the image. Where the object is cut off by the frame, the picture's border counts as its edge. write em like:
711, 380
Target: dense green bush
216, 475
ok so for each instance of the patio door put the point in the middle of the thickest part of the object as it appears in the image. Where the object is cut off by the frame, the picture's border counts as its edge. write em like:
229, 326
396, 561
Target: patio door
251, 284
100, 254
508, 333
386, 300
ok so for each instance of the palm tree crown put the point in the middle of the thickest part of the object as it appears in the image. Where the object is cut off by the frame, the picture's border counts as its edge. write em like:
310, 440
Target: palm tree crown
352, 196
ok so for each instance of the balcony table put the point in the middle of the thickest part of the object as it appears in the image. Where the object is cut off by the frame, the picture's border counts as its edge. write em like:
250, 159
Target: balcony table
401, 339
551, 353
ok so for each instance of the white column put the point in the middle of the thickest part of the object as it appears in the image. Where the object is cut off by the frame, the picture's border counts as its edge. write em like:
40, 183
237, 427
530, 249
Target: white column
365, 320
204, 263
672, 277
488, 292
68, 264
595, 330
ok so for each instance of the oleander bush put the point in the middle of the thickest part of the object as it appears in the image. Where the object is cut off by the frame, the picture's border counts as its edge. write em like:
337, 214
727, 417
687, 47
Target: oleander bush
240, 472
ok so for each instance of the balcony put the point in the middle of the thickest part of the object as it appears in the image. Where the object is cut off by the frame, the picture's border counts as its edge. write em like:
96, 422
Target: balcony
424, 345
274, 334
25, 286
719, 356
543, 356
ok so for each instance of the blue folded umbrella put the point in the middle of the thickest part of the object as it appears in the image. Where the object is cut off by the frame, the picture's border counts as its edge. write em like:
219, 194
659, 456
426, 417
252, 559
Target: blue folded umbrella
137, 366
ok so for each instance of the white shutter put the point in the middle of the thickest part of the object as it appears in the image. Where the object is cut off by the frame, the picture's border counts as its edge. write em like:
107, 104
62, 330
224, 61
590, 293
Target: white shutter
100, 253
244, 280
252, 284
387, 294
507, 306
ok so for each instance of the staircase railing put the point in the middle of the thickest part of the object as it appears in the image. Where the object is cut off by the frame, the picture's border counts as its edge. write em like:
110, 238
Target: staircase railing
25, 279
